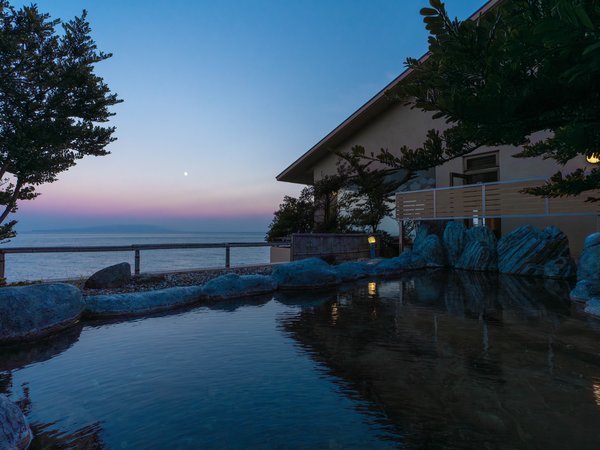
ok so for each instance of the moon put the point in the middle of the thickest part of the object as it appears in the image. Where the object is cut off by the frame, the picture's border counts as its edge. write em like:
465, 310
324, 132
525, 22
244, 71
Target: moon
185, 174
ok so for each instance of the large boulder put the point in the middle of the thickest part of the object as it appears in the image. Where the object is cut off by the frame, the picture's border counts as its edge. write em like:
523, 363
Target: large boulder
479, 252
232, 285
110, 277
136, 303
589, 262
311, 273
527, 250
585, 290
15, 433
454, 241
29, 312
592, 307
354, 270
430, 248
408, 260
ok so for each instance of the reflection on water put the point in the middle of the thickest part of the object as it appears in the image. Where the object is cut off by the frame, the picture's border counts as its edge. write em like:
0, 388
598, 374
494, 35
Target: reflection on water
433, 360
461, 360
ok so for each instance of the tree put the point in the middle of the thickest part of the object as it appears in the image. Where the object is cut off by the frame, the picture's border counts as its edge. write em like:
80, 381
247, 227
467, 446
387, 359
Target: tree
525, 67
369, 193
52, 104
295, 215
329, 205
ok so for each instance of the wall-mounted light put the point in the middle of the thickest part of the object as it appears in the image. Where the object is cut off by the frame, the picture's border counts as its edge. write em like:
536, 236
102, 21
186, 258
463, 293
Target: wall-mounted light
593, 158
372, 240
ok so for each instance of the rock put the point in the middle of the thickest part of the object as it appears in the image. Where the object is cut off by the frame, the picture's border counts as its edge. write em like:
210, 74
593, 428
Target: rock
479, 252
454, 241
408, 260
110, 277
233, 285
136, 303
527, 250
593, 307
483, 235
560, 268
585, 290
429, 247
354, 270
14, 429
589, 262
29, 312
311, 273
478, 256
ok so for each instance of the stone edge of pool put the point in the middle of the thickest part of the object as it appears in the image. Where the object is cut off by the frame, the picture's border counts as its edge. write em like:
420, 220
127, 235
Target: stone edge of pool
34, 311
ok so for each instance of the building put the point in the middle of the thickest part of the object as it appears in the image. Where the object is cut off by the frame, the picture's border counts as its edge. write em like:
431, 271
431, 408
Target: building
481, 188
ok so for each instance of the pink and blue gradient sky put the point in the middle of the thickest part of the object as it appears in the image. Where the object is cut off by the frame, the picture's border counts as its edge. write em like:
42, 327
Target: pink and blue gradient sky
229, 91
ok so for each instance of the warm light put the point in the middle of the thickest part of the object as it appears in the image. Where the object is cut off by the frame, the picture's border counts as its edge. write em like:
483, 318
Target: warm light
596, 390
372, 240
594, 158
372, 288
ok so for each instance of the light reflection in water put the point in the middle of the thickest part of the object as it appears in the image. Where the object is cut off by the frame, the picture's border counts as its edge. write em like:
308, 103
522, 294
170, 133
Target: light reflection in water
372, 289
596, 389
334, 313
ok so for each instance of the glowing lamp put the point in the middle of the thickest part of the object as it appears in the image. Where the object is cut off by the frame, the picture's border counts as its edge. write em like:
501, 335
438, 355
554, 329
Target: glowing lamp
372, 240
593, 158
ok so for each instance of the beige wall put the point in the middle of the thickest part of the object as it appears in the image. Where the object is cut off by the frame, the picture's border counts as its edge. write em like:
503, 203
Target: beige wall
511, 168
398, 126
394, 128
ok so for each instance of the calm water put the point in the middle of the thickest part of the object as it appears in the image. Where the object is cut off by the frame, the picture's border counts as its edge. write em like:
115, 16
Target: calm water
21, 267
436, 360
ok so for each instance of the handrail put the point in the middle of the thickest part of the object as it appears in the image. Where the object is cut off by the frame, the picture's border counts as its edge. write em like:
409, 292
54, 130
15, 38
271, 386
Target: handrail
136, 248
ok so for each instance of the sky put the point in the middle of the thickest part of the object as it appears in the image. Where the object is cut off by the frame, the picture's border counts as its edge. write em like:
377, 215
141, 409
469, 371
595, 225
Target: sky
229, 92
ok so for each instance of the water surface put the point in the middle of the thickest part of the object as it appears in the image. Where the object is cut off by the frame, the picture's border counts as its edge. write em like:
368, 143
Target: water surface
433, 360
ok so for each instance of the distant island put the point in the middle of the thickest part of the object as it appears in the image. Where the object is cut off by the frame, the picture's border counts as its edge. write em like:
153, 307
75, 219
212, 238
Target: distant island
111, 229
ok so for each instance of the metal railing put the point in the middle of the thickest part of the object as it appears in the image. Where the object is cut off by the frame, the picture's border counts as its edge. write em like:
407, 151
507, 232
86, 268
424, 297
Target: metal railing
489, 200
136, 248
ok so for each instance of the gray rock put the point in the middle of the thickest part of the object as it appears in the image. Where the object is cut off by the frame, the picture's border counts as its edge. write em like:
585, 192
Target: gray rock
454, 241
14, 429
131, 304
311, 273
408, 260
354, 270
585, 290
483, 235
527, 250
29, 312
589, 262
479, 252
110, 277
233, 285
593, 307
478, 256
560, 268
429, 247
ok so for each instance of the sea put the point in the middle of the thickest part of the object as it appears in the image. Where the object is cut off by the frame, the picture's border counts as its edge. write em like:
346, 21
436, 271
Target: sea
57, 266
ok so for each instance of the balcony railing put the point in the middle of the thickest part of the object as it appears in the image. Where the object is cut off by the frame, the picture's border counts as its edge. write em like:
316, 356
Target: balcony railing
489, 200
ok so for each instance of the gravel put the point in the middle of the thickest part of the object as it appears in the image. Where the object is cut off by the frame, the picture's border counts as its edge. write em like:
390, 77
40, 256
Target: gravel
151, 282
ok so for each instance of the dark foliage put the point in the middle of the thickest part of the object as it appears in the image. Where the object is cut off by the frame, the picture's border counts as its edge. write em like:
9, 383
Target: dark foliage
52, 104
368, 195
525, 74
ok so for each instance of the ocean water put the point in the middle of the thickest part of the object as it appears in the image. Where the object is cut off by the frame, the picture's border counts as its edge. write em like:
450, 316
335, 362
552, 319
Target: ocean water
435, 360
48, 266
